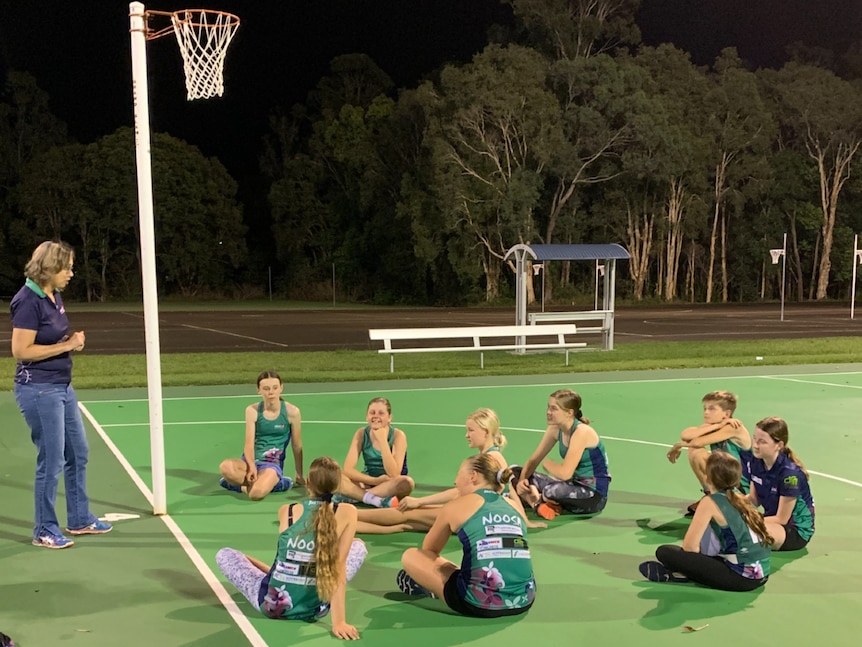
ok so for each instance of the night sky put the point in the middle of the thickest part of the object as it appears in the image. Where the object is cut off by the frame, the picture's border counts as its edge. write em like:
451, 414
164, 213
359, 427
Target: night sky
80, 55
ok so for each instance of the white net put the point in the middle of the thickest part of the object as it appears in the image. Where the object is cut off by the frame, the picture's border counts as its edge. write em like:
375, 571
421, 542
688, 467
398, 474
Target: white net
203, 37
776, 255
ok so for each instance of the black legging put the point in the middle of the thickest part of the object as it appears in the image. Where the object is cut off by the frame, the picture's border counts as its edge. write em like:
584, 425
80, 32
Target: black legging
576, 499
703, 569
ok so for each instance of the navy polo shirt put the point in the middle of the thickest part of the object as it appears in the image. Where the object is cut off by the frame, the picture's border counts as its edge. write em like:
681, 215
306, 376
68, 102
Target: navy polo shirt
32, 310
783, 479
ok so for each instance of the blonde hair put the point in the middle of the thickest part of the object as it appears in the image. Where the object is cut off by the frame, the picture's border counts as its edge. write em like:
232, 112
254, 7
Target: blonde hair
570, 401
48, 258
324, 478
724, 399
777, 430
488, 469
487, 419
724, 473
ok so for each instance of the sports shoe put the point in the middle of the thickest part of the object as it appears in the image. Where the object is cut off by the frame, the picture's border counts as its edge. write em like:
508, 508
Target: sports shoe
658, 572
389, 502
548, 510
229, 486
52, 541
690, 510
343, 498
283, 485
95, 528
409, 586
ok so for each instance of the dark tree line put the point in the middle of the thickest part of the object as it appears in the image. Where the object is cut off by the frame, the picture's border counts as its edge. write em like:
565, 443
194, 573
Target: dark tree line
563, 130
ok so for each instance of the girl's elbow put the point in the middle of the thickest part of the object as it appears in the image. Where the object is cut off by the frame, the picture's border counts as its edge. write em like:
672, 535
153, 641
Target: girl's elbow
691, 548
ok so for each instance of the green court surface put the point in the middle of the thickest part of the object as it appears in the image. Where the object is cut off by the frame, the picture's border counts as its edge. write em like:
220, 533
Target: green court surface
139, 585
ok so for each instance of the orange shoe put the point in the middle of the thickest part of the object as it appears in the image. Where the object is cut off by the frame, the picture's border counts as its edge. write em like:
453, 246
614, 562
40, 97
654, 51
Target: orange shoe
548, 510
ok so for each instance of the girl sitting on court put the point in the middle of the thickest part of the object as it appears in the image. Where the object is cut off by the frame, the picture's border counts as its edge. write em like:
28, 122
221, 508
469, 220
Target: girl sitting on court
726, 546
270, 426
316, 556
384, 453
779, 483
579, 484
420, 513
496, 574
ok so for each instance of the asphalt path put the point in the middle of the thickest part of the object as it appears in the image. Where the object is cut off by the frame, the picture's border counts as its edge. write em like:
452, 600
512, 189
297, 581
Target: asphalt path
330, 329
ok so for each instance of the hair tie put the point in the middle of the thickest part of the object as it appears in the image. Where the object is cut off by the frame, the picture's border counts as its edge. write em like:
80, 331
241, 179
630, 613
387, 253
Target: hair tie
579, 415
326, 498
500, 475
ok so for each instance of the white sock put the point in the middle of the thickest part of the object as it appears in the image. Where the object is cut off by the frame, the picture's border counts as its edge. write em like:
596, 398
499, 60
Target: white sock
372, 499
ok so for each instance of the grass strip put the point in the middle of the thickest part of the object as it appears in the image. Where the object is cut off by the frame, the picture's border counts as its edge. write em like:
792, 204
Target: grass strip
187, 369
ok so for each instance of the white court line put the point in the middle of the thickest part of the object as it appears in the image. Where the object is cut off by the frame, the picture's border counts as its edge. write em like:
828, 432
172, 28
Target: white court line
254, 638
555, 384
403, 423
789, 379
233, 334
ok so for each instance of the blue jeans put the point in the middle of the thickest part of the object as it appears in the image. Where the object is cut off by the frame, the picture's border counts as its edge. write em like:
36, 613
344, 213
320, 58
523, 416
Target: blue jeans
57, 430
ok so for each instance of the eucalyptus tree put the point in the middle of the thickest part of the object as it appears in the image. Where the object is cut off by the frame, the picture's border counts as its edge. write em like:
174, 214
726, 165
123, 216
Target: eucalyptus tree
677, 158
570, 29
335, 181
742, 130
492, 138
821, 116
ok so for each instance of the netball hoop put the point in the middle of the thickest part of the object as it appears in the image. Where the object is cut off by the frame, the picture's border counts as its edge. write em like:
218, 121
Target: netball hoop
203, 36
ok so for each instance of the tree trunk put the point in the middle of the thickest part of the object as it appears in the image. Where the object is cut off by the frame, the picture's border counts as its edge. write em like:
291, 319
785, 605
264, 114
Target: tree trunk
831, 182
796, 269
640, 229
813, 284
724, 280
675, 212
492, 277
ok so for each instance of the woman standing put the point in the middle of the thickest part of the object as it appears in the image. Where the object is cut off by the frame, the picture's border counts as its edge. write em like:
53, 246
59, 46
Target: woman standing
43, 344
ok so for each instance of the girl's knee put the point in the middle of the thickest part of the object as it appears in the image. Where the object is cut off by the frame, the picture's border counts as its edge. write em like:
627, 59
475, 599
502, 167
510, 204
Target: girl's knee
257, 494
410, 557
404, 486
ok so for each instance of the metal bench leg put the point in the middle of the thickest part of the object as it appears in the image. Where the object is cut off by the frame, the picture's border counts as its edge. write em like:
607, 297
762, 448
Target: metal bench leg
567, 357
481, 359
392, 363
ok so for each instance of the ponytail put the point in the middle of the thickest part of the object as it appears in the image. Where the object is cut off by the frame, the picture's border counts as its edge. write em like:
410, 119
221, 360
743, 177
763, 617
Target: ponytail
724, 473
488, 468
570, 401
751, 516
792, 456
324, 477
487, 419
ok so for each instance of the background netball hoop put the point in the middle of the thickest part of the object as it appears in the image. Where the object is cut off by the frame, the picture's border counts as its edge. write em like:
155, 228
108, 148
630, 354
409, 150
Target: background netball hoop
203, 36
780, 253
